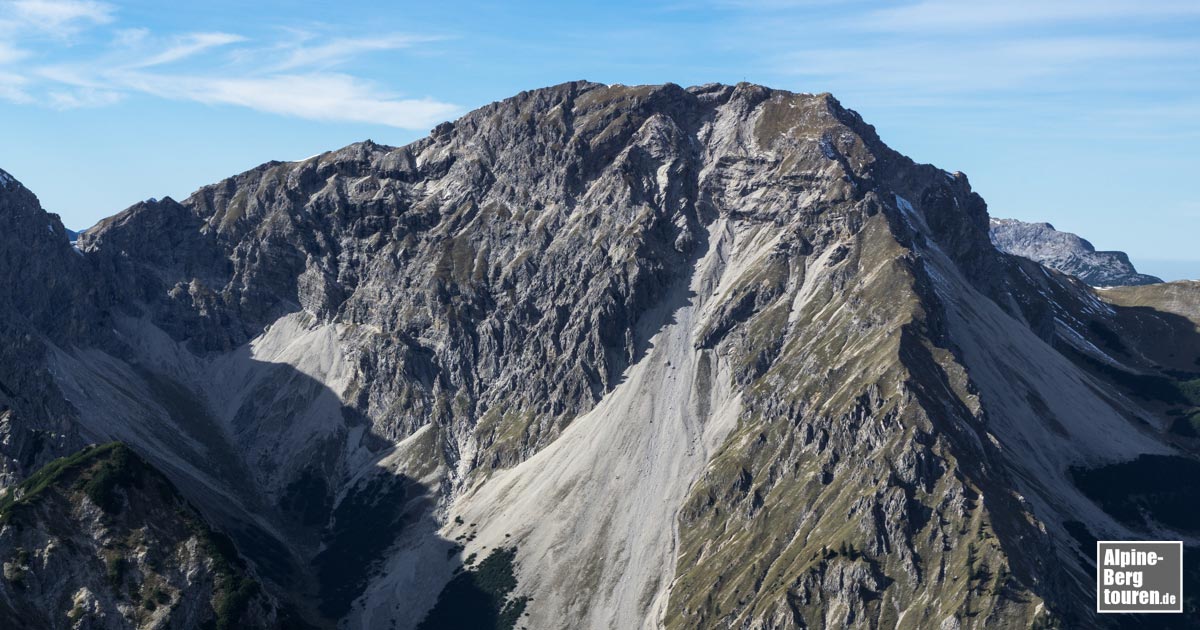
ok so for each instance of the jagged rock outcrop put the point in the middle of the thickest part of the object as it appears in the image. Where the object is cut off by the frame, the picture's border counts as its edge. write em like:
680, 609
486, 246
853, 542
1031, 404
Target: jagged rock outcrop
101, 540
703, 357
1067, 253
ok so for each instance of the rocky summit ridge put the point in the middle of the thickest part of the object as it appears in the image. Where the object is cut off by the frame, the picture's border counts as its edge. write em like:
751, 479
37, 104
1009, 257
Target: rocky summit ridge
606, 356
1067, 253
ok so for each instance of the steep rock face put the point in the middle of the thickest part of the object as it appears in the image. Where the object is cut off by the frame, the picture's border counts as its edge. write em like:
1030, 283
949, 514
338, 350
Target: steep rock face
101, 540
691, 357
785, 305
47, 295
1067, 253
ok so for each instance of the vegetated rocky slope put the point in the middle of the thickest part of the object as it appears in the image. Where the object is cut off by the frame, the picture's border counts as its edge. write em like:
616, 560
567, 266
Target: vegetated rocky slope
1067, 253
101, 540
630, 356
1181, 297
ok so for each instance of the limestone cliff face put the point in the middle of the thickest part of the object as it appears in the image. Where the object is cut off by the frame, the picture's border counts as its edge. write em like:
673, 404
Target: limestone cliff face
703, 357
1067, 253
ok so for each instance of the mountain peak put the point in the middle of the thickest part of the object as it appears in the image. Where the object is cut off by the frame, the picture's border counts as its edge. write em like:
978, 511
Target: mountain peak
671, 357
686, 156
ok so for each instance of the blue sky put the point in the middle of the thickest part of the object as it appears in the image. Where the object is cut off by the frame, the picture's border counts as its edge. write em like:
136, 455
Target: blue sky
1082, 113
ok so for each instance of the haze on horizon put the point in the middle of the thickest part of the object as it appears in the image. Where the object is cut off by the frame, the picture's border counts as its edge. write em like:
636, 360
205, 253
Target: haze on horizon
1082, 114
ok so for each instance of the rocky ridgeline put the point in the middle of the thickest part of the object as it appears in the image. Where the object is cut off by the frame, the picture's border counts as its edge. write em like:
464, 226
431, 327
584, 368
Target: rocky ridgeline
1067, 253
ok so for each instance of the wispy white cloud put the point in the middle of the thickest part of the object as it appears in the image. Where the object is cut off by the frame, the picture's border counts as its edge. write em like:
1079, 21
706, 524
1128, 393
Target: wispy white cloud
326, 54
964, 55
44, 19
129, 38
83, 97
10, 53
60, 18
932, 67
74, 76
318, 96
951, 15
290, 77
768, 5
13, 88
184, 46
321, 96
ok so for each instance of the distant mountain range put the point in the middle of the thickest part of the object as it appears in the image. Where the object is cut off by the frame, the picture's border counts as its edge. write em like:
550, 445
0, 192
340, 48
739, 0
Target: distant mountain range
1067, 253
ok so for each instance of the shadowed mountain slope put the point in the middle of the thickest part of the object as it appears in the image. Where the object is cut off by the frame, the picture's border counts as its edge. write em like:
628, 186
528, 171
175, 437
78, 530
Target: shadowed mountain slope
102, 539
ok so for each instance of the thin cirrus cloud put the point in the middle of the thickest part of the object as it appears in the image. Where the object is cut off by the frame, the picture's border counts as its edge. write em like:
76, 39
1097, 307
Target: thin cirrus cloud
12, 88
1001, 65
290, 78
317, 96
184, 46
976, 52
60, 18
951, 15
10, 53
340, 50
83, 97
